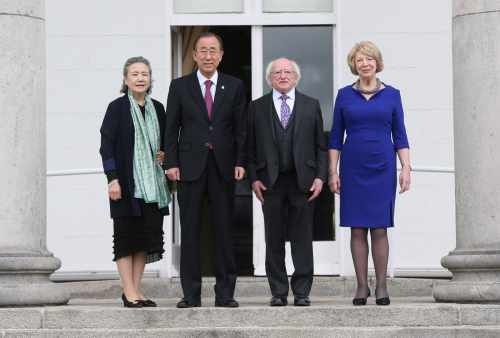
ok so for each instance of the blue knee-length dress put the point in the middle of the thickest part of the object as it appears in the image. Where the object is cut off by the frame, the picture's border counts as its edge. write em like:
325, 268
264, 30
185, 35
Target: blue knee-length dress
374, 131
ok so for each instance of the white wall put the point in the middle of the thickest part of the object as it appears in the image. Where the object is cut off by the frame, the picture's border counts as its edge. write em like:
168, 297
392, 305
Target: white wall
415, 40
87, 45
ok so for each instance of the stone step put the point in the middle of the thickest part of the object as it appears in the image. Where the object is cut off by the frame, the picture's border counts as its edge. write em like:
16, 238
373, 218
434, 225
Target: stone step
325, 313
275, 332
250, 287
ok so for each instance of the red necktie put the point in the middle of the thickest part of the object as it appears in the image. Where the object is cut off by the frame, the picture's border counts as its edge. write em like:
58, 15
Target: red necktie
209, 101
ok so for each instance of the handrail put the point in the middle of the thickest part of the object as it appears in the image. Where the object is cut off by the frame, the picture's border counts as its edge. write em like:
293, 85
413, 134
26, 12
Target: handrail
93, 171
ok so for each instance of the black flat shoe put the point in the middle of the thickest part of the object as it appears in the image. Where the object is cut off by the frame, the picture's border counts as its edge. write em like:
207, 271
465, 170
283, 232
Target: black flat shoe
147, 303
278, 301
184, 304
227, 303
127, 303
383, 301
360, 301
302, 301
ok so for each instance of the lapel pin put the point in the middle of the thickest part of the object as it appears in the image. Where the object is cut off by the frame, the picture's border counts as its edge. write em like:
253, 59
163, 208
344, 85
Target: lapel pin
222, 87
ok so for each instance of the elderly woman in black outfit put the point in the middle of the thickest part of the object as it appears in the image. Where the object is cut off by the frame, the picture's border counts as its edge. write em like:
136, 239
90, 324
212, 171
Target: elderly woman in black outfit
132, 156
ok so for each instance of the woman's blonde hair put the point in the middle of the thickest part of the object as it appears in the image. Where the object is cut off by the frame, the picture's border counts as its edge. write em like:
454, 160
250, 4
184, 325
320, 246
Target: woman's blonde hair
367, 48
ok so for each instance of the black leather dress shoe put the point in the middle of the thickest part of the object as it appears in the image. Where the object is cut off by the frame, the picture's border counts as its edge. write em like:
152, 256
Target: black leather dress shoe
302, 301
147, 303
278, 301
226, 303
184, 303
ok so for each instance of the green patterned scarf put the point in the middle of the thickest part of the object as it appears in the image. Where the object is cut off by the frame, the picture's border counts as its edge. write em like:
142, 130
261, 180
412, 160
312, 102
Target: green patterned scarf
149, 177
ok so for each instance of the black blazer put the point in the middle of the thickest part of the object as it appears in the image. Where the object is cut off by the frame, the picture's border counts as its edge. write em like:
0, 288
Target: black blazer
309, 145
189, 131
117, 152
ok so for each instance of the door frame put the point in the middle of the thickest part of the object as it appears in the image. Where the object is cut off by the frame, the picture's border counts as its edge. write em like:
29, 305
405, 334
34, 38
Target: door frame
254, 17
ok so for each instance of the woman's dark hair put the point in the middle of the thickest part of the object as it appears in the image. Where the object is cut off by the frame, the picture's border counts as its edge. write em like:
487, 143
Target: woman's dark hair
130, 61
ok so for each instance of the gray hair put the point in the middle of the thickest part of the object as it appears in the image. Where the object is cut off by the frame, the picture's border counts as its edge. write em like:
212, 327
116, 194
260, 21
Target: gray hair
269, 67
130, 61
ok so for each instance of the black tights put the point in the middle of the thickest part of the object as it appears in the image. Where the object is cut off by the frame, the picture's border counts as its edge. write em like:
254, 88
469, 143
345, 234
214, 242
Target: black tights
380, 255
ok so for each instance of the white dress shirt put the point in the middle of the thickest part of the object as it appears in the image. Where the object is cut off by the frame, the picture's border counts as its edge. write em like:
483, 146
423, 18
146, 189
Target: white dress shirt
277, 101
202, 79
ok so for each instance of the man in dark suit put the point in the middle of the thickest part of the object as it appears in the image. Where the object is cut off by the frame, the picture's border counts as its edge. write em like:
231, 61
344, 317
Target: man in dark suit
287, 165
206, 152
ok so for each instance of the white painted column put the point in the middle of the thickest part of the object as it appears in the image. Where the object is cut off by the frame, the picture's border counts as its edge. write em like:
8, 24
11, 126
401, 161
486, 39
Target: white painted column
475, 263
25, 263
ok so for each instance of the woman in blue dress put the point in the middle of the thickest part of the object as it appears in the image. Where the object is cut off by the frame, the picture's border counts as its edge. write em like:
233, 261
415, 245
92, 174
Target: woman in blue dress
370, 113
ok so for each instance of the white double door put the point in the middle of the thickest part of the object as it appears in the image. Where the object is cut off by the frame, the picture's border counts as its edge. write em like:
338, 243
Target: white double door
326, 252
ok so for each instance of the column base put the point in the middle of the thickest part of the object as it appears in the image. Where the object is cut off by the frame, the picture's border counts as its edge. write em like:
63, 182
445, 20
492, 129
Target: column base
33, 294
467, 292
476, 277
24, 281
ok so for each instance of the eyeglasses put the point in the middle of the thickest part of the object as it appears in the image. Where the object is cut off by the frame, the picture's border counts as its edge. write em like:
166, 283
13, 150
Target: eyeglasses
207, 51
277, 73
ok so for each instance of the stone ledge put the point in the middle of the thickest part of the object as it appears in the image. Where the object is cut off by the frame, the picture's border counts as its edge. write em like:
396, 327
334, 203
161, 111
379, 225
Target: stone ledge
250, 316
249, 287
21, 318
327, 314
278, 332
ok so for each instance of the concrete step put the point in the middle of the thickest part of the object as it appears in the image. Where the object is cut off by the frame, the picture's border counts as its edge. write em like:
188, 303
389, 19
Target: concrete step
250, 287
275, 332
326, 313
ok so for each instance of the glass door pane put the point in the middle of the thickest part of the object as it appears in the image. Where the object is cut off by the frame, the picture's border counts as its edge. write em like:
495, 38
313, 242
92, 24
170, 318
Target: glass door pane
312, 48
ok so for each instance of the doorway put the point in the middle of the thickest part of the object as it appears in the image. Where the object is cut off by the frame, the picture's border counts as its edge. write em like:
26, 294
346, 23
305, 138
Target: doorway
236, 62
247, 50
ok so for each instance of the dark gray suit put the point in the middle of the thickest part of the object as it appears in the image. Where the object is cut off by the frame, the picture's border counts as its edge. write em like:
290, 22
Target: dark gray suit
287, 213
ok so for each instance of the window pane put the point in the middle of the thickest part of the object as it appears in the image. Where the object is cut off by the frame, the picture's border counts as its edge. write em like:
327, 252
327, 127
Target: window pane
312, 48
297, 6
205, 6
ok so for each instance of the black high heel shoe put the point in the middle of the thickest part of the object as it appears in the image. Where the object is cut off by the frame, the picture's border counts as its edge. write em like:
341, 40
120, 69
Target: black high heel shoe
382, 300
361, 301
147, 303
127, 303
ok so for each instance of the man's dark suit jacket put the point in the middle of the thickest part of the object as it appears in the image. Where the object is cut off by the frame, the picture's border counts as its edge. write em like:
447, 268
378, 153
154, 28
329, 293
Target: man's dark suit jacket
309, 145
189, 131
117, 152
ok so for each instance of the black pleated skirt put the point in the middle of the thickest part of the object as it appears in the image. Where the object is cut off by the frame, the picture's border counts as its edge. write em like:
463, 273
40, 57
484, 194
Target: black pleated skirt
143, 233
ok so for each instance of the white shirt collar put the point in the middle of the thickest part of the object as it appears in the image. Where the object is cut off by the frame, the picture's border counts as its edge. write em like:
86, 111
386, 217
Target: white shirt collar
202, 78
290, 94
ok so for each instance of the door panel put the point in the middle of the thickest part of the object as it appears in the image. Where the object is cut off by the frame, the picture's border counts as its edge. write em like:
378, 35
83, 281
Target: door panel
296, 43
